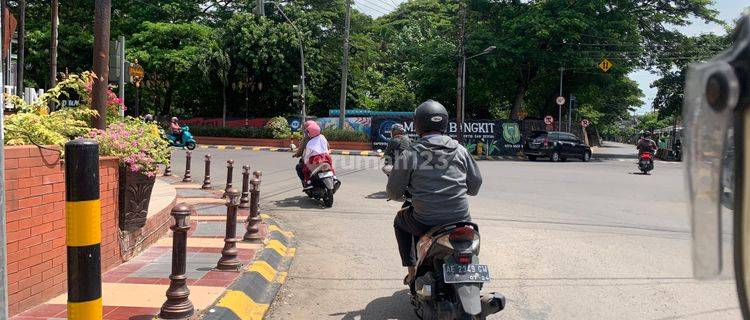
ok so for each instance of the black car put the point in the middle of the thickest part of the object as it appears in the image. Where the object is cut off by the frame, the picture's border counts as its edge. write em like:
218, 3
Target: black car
557, 146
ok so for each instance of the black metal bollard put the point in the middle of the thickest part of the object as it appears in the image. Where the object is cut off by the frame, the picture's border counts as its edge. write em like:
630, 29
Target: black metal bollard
252, 233
207, 177
228, 260
245, 199
230, 169
188, 158
168, 169
83, 235
178, 305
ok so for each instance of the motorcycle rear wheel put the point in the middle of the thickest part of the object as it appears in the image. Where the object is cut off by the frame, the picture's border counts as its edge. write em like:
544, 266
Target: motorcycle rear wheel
328, 199
190, 145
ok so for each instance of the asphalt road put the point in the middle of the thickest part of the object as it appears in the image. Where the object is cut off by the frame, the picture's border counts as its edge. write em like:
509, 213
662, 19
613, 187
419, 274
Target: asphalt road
566, 240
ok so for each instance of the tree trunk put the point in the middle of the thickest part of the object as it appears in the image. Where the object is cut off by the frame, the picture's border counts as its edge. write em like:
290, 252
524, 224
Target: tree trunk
518, 103
102, 17
224, 112
168, 101
21, 47
53, 44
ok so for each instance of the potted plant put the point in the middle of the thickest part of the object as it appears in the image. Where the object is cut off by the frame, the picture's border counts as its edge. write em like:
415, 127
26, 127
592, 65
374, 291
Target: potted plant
141, 149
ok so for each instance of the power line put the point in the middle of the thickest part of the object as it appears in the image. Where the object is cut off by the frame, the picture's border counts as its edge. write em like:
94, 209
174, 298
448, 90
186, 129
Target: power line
381, 8
386, 5
379, 11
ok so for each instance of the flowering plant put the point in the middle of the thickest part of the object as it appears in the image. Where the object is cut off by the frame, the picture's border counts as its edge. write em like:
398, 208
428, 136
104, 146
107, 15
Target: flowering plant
137, 143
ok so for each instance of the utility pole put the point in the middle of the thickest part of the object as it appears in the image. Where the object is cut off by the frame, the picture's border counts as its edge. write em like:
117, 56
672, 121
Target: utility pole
102, 16
54, 20
3, 220
3, 64
570, 112
345, 66
301, 58
121, 76
259, 9
460, 73
559, 106
21, 47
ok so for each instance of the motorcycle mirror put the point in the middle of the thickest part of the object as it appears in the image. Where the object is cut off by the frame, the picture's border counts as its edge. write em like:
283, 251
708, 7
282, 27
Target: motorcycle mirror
712, 93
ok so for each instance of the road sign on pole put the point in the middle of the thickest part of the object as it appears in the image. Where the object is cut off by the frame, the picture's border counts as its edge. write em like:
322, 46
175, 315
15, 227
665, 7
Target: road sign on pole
585, 123
605, 65
521, 114
560, 100
549, 120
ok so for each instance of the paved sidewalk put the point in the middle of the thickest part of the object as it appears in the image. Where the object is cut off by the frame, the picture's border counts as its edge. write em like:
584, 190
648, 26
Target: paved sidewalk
136, 289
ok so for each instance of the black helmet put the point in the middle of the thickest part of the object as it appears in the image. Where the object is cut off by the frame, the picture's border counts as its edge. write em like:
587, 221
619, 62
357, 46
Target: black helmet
430, 116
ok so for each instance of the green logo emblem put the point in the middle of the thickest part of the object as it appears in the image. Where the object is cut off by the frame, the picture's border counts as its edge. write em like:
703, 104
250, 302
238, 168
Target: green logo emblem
511, 133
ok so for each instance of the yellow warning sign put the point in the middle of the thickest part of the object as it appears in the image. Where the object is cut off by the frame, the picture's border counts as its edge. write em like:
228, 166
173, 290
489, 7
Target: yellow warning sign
605, 65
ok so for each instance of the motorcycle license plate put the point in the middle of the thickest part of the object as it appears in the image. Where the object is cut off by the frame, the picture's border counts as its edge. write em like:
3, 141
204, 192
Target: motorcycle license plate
325, 174
459, 273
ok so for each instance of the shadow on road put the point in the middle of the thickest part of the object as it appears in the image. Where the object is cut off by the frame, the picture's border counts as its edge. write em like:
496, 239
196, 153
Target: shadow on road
299, 202
377, 195
396, 307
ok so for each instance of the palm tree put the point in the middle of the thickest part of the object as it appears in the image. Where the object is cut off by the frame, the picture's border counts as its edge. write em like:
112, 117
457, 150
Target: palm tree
217, 61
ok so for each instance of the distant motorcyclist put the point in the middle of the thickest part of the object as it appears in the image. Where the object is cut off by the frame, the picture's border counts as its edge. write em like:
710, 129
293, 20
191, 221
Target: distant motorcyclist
174, 126
439, 174
398, 143
645, 144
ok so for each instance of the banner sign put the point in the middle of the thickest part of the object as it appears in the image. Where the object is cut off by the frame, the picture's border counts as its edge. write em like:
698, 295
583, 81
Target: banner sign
481, 137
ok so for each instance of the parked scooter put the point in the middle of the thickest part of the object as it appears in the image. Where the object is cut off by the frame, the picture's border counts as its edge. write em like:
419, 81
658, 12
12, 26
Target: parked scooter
323, 184
449, 277
187, 140
646, 162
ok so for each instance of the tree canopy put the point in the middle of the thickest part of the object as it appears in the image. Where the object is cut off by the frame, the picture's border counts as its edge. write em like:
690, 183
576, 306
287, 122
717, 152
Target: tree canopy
200, 54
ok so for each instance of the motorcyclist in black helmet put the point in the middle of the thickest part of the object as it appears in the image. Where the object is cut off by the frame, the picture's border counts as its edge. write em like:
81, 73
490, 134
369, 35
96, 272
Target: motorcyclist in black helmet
439, 174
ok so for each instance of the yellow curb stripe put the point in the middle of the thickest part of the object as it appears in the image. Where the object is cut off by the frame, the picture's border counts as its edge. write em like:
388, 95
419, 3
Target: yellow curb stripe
264, 216
237, 148
273, 149
291, 252
203, 147
346, 153
256, 148
221, 147
264, 269
277, 246
364, 153
243, 306
281, 278
273, 227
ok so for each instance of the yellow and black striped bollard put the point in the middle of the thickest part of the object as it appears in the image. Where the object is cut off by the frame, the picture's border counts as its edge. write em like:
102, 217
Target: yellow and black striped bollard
83, 230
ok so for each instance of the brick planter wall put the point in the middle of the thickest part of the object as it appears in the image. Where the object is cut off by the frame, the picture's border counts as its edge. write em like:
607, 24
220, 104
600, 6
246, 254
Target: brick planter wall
35, 191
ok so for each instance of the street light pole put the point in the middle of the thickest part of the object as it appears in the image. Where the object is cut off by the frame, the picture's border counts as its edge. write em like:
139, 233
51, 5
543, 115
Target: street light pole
301, 58
559, 106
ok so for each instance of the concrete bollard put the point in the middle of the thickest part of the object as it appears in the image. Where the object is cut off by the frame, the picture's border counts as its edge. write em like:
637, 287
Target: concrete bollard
207, 177
83, 235
178, 305
188, 158
245, 199
252, 233
228, 260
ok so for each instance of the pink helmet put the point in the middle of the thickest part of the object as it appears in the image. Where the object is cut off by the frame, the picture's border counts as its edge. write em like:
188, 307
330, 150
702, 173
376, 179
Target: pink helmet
312, 128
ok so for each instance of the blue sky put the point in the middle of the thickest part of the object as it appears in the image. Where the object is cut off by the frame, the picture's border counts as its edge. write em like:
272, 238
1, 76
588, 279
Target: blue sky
729, 10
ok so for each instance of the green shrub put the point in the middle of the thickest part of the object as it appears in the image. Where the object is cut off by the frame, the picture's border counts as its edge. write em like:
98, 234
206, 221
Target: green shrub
345, 135
279, 128
257, 133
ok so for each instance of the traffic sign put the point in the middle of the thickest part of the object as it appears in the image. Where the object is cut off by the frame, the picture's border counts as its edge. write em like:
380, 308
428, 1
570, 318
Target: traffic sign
549, 120
560, 100
605, 65
136, 70
585, 123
